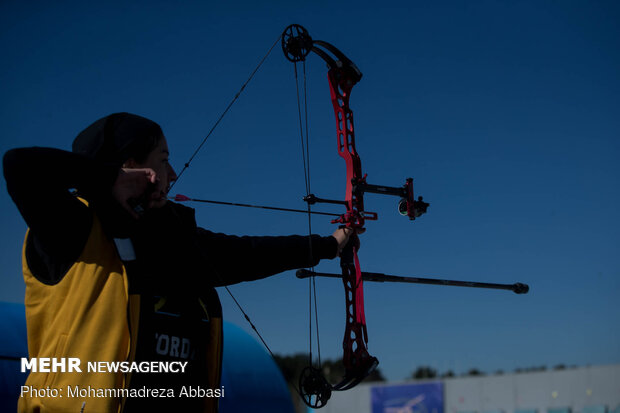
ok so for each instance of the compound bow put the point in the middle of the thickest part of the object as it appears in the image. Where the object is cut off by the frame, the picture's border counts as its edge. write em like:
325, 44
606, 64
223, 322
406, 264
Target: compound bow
342, 76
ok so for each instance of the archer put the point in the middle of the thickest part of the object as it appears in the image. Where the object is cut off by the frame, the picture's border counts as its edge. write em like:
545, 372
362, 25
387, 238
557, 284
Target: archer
114, 270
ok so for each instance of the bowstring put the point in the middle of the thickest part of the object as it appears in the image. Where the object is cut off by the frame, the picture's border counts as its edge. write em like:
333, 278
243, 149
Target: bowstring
217, 122
314, 294
305, 152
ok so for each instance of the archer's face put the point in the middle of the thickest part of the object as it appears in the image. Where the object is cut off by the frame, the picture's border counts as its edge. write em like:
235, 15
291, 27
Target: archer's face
157, 160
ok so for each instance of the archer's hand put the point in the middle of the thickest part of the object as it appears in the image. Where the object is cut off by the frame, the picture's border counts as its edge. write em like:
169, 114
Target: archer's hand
343, 236
134, 185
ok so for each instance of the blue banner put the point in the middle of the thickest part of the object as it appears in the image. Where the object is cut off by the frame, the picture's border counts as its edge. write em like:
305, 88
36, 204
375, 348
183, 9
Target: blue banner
408, 398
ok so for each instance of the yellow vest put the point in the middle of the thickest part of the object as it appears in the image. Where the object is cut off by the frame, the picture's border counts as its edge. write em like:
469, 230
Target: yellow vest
90, 315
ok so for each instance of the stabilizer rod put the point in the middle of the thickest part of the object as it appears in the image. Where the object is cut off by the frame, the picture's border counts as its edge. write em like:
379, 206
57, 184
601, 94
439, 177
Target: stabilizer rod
517, 288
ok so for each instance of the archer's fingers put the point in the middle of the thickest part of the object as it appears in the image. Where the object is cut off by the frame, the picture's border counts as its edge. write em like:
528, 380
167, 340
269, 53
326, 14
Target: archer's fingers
151, 175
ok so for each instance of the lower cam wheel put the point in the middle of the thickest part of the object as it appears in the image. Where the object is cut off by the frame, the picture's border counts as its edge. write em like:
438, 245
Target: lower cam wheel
314, 390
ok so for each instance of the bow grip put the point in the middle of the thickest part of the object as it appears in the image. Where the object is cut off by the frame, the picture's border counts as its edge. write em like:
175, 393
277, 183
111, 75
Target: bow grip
346, 254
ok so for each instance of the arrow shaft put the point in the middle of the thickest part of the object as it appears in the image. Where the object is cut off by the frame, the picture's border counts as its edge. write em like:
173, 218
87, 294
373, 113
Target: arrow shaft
272, 208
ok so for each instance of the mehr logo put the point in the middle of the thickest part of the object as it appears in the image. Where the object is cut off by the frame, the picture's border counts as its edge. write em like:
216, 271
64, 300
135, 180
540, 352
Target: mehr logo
51, 365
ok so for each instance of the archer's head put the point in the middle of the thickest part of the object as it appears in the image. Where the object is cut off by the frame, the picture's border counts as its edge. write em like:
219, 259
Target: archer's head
125, 140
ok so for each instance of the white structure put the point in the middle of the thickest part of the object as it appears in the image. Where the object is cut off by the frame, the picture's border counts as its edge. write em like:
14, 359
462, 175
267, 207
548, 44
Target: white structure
593, 389
556, 390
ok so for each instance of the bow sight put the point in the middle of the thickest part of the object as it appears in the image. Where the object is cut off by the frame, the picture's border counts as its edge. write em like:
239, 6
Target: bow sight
407, 205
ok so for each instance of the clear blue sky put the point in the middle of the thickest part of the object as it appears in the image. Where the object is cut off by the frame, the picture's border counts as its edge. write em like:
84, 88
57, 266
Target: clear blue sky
507, 114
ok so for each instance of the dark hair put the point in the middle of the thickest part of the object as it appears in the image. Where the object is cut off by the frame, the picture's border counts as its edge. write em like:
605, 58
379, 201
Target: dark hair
117, 138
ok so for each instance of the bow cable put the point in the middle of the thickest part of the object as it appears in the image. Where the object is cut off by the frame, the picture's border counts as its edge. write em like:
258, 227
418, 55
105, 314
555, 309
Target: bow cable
305, 152
191, 158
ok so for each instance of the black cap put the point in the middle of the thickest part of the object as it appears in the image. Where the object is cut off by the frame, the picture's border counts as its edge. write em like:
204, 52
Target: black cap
118, 137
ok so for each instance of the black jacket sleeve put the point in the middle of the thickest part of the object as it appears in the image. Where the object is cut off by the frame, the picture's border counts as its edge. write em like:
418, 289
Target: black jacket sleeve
234, 259
40, 181
168, 241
